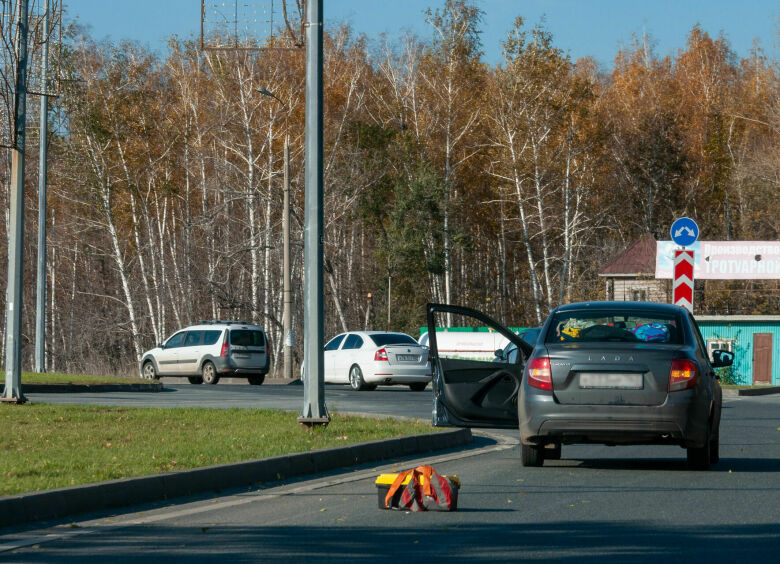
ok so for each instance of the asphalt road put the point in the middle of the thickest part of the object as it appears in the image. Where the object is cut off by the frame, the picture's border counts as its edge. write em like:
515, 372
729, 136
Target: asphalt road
397, 401
621, 504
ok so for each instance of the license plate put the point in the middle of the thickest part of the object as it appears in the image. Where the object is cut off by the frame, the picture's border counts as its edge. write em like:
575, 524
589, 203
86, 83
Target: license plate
602, 380
241, 355
407, 357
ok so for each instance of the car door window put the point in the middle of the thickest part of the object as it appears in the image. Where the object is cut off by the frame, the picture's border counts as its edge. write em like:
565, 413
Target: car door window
211, 337
511, 354
175, 341
193, 338
353, 342
699, 339
334, 343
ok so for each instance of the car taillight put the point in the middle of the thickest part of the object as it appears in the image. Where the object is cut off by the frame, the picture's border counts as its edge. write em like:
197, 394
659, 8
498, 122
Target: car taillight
225, 349
539, 374
682, 375
381, 354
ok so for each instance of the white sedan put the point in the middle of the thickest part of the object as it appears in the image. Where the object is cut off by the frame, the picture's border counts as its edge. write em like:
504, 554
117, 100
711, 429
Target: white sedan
365, 359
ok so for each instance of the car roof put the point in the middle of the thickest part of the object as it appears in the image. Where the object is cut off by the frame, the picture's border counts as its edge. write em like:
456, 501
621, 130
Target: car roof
222, 324
621, 306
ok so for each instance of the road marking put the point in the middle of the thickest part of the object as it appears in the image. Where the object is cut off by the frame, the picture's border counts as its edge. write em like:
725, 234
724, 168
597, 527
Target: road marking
503, 442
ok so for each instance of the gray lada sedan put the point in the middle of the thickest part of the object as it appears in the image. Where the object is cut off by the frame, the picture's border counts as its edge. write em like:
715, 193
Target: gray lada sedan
615, 373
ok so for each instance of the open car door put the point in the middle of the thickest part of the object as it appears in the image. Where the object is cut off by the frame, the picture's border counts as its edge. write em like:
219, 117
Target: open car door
472, 388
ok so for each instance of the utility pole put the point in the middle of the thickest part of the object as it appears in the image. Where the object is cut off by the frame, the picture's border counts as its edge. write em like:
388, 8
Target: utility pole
40, 294
13, 336
289, 337
314, 411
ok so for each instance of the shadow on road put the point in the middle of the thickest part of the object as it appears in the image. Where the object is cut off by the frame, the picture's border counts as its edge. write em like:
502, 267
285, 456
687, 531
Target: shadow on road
407, 538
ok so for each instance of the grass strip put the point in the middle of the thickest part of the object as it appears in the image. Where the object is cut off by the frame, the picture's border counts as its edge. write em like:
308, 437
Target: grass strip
55, 378
50, 446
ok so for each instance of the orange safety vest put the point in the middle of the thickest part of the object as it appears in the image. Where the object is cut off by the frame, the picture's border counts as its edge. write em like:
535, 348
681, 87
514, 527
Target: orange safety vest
425, 484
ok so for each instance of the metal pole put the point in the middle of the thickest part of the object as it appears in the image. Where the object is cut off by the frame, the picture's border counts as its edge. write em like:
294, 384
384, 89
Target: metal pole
289, 338
13, 334
40, 293
314, 410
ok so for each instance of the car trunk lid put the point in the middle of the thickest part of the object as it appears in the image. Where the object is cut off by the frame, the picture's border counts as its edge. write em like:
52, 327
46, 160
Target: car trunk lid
247, 348
611, 374
406, 355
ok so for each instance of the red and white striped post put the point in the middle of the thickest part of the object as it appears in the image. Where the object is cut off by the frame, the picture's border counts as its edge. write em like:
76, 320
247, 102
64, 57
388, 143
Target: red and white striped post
683, 279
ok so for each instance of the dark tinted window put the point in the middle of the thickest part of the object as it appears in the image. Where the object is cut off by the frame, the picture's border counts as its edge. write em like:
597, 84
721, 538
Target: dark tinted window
247, 338
211, 337
352, 342
383, 339
334, 343
530, 336
193, 338
175, 341
600, 326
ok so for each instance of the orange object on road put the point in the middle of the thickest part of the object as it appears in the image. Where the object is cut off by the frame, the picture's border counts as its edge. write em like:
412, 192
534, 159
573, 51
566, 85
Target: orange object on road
418, 489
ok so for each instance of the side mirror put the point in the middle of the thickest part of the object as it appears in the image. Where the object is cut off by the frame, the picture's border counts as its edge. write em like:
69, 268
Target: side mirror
499, 354
721, 358
160, 345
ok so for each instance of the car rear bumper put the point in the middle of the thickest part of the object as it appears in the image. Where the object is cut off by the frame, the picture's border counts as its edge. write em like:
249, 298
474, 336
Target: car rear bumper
681, 420
227, 368
385, 375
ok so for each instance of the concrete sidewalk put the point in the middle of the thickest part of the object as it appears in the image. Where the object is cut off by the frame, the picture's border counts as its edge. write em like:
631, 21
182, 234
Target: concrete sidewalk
61, 502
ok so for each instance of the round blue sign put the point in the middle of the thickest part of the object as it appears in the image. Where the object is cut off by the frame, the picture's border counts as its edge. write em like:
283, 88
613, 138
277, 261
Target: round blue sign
684, 231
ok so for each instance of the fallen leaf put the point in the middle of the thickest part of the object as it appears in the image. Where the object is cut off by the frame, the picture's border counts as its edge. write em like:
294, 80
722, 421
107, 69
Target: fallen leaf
323, 509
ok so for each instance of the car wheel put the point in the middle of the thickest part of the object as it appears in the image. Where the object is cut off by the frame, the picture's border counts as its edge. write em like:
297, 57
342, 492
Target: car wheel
210, 373
256, 380
553, 453
195, 379
532, 455
714, 451
699, 457
418, 386
356, 379
148, 372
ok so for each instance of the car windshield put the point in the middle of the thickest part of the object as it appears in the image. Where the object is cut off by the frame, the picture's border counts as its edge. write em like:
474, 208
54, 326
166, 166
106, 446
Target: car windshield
247, 338
382, 339
611, 326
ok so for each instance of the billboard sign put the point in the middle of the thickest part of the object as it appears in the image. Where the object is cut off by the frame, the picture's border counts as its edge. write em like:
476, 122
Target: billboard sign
724, 260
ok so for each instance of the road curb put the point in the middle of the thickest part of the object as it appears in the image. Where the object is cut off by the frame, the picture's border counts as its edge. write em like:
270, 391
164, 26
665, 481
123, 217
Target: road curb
51, 504
759, 391
86, 388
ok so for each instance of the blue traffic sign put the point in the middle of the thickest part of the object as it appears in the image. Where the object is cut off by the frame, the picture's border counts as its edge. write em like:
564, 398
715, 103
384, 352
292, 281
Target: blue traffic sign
684, 231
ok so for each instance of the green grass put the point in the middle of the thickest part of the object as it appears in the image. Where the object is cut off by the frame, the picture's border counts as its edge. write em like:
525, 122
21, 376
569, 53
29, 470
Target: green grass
48, 446
53, 378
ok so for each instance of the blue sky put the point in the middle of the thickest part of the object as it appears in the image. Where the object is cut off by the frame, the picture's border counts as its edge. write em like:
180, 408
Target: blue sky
596, 28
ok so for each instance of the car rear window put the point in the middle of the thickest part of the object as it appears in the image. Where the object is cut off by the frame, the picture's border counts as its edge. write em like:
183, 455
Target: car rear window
247, 338
594, 326
383, 339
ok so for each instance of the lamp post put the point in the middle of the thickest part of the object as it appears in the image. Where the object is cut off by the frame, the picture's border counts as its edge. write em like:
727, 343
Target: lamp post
289, 337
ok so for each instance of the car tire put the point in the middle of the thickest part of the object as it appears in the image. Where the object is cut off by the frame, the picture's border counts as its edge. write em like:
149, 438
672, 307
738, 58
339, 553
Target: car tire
195, 379
553, 453
256, 380
209, 373
531, 455
148, 371
714, 451
356, 380
418, 386
699, 457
